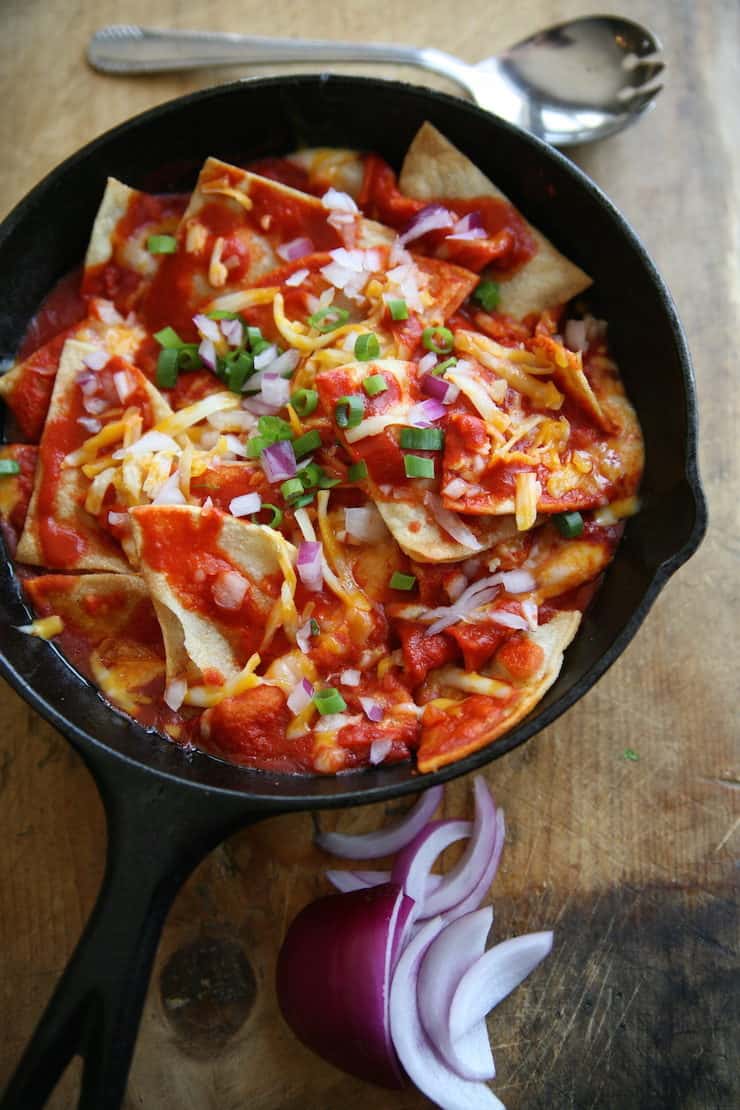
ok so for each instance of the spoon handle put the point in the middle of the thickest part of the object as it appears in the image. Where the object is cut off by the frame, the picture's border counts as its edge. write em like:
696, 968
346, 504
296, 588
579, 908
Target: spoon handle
135, 50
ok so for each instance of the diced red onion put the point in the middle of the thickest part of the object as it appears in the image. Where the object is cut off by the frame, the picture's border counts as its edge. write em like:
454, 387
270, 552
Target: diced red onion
245, 504
310, 565
278, 461
350, 677
296, 248
235, 445
413, 865
264, 358
508, 620
427, 363
425, 413
379, 749
303, 637
297, 277
117, 519
456, 586
233, 332
96, 360
333, 979
473, 221
258, 407
229, 589
470, 868
300, 697
517, 581
432, 218
336, 201
107, 312
207, 352
284, 364
333, 722
418, 1058
275, 390
466, 236
89, 423
174, 693
531, 612
453, 951
372, 709
439, 389
477, 594
365, 524
208, 328
492, 977
169, 493
456, 488
452, 524
123, 384
387, 840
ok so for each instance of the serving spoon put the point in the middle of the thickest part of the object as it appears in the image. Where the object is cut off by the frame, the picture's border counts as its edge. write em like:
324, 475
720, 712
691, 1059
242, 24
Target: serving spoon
571, 83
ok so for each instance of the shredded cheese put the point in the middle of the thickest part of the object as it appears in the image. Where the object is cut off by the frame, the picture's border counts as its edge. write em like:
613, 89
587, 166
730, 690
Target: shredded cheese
527, 492
212, 695
237, 302
221, 187
489, 354
471, 682
44, 627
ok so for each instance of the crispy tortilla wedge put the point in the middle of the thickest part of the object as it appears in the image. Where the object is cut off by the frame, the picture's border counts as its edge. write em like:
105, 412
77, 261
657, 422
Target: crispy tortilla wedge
434, 168
462, 732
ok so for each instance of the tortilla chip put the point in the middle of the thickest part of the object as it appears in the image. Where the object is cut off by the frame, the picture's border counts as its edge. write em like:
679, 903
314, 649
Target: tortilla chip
59, 533
435, 169
204, 640
15, 491
416, 529
441, 745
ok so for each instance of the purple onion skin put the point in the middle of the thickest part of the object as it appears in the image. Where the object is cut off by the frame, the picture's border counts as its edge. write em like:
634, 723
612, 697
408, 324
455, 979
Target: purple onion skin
331, 981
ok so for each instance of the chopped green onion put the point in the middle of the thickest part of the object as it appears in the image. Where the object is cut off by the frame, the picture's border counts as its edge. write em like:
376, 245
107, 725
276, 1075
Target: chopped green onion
487, 294
256, 446
398, 310
277, 514
301, 502
349, 411
161, 244
569, 525
188, 358
167, 367
308, 442
275, 428
329, 701
291, 489
315, 629
254, 335
9, 467
416, 466
401, 581
304, 401
222, 314
168, 337
238, 366
367, 347
440, 368
357, 472
423, 439
311, 475
329, 318
260, 345
325, 482
374, 385
440, 340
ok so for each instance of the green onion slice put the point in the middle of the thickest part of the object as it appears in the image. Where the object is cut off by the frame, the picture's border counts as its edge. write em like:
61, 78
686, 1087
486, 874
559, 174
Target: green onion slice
398, 309
254, 335
357, 472
440, 368
315, 629
161, 244
9, 467
487, 294
569, 525
440, 340
349, 411
401, 581
304, 401
276, 518
305, 499
329, 701
374, 385
329, 318
223, 314
291, 489
366, 347
311, 475
188, 358
423, 439
308, 442
416, 466
167, 367
168, 337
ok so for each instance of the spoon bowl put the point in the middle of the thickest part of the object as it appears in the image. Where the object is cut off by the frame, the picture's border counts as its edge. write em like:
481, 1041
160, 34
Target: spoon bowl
574, 82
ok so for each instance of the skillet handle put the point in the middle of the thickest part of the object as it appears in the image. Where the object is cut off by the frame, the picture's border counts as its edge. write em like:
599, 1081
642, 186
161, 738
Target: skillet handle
157, 833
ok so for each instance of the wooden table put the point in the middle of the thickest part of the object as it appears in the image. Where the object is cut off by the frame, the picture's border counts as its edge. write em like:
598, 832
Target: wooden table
630, 861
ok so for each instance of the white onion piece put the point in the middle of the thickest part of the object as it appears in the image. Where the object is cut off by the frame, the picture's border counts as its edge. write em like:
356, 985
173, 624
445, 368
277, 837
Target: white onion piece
297, 277
470, 868
427, 363
264, 358
350, 678
385, 841
124, 385
338, 202
88, 382
300, 697
365, 524
479, 593
493, 977
423, 1066
229, 589
448, 957
456, 488
517, 581
169, 492
413, 865
235, 445
245, 504
117, 519
452, 524
233, 332
96, 360
275, 390
476, 896
89, 423
531, 612
208, 328
379, 749
296, 248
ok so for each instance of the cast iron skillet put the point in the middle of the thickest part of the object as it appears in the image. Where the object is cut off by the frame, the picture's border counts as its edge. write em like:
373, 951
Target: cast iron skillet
167, 809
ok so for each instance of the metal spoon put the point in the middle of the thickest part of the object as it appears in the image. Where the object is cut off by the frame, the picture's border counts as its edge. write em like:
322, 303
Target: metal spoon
571, 83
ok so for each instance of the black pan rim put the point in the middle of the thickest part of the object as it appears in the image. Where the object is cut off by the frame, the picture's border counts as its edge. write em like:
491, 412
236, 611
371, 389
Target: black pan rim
89, 745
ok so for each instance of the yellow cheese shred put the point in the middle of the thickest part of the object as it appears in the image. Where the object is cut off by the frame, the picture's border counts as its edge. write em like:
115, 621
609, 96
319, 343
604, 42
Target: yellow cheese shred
212, 695
43, 627
527, 492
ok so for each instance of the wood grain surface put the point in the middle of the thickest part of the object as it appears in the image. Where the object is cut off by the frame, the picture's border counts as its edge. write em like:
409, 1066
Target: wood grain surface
632, 862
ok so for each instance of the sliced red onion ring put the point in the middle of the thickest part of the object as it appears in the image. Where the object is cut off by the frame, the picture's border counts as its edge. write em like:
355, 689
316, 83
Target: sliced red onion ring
208, 328
425, 413
310, 565
335, 942
385, 841
440, 389
300, 697
491, 978
360, 880
373, 710
296, 248
471, 867
477, 895
452, 524
413, 865
278, 461
449, 956
245, 504
422, 1064
207, 353
431, 218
